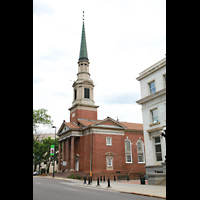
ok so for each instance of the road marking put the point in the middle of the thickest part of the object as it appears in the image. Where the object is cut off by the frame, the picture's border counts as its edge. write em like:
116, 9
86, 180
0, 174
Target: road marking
67, 188
70, 189
65, 183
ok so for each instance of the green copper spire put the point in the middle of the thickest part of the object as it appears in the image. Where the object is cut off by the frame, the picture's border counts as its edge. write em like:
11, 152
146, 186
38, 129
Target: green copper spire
83, 50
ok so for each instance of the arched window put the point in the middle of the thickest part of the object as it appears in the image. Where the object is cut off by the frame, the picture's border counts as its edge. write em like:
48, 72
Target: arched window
140, 151
128, 151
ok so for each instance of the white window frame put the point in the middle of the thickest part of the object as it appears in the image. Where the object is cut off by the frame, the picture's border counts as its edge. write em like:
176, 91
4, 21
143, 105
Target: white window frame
164, 78
109, 144
111, 162
151, 89
140, 151
155, 144
127, 140
152, 116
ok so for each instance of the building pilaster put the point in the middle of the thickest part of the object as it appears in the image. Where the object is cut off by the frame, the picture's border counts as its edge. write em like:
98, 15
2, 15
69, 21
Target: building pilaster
67, 154
63, 155
59, 157
72, 154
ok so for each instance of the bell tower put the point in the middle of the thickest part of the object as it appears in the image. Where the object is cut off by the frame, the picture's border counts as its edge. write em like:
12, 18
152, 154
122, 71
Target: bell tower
83, 105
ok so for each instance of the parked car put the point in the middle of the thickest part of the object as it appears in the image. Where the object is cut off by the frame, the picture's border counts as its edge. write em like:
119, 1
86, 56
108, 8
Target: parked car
35, 173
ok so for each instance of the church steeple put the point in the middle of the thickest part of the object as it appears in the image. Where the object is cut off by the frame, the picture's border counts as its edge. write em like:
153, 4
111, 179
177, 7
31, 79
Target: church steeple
83, 105
83, 50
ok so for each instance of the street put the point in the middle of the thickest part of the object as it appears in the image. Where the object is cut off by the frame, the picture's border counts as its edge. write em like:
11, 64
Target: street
58, 189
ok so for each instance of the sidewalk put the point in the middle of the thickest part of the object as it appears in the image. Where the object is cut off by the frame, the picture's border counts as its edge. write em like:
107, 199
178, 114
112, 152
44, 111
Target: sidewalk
132, 187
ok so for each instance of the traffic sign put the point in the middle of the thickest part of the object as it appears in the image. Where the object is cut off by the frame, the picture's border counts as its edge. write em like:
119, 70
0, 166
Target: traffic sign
64, 163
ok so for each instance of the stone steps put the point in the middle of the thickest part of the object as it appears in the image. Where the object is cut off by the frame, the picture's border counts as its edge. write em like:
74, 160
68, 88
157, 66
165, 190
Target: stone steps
163, 182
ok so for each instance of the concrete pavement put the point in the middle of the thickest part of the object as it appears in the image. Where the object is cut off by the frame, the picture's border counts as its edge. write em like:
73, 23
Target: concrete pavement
132, 187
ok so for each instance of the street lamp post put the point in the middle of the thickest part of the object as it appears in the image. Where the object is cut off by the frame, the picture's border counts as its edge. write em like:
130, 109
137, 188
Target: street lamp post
164, 133
54, 151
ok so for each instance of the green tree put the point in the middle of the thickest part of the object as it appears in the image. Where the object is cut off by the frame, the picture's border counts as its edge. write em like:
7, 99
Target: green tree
47, 146
38, 152
41, 151
40, 117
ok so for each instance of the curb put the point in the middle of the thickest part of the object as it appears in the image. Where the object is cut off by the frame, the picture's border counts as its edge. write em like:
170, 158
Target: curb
149, 195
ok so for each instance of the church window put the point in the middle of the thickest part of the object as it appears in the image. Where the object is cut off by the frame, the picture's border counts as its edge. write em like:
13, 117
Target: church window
128, 151
86, 93
109, 162
108, 141
140, 151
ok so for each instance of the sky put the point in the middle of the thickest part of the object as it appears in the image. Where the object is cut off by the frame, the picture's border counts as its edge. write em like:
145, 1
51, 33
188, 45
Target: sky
124, 37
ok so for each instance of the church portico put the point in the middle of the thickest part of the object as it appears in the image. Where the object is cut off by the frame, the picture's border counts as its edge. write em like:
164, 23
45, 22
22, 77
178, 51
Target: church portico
68, 153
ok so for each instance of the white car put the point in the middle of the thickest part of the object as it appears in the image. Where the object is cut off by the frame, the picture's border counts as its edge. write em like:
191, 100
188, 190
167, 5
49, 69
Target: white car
35, 173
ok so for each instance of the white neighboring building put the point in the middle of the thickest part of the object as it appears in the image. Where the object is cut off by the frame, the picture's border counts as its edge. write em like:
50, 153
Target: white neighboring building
153, 101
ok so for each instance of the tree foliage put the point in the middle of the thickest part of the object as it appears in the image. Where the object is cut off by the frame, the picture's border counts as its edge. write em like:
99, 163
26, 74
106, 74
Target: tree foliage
40, 117
41, 151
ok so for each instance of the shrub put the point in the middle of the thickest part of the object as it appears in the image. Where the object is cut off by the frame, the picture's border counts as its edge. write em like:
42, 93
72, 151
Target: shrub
72, 176
78, 176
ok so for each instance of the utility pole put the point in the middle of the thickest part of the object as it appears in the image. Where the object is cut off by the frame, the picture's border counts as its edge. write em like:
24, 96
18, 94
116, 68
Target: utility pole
54, 151
91, 156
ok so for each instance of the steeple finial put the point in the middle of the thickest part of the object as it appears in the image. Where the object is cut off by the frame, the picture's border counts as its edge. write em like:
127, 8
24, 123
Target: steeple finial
83, 50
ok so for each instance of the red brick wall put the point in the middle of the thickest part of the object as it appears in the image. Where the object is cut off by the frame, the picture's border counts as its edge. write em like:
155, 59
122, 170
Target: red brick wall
84, 153
137, 167
83, 114
100, 149
83, 148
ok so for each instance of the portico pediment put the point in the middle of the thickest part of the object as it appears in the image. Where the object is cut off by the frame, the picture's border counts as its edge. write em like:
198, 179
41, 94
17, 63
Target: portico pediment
67, 126
108, 123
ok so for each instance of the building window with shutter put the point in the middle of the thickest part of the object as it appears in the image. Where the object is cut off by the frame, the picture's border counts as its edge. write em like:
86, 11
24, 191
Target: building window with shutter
128, 151
86, 93
140, 151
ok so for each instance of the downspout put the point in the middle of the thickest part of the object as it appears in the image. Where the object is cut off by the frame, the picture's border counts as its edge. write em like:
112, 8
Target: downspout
91, 154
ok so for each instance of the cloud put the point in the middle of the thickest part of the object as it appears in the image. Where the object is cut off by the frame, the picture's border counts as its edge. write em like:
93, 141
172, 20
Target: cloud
119, 98
41, 7
124, 112
124, 37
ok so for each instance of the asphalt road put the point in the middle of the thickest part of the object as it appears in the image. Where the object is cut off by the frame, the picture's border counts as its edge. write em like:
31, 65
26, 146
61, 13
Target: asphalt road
55, 189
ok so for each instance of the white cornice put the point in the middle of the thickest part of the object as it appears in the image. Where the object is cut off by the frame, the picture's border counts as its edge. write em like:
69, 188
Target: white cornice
151, 96
152, 69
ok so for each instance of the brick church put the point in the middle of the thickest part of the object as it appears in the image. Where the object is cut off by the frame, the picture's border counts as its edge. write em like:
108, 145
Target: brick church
89, 146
